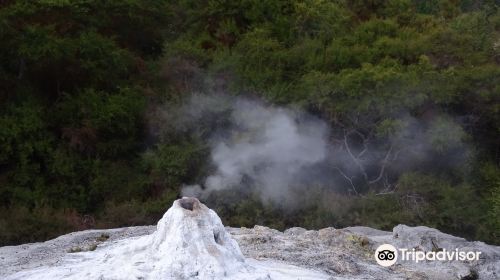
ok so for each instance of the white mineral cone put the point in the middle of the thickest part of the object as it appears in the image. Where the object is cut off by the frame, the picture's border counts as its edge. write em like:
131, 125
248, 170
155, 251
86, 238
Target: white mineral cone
196, 243
190, 242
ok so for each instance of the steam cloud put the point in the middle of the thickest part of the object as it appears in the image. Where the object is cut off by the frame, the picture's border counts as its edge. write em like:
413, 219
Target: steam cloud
278, 152
270, 147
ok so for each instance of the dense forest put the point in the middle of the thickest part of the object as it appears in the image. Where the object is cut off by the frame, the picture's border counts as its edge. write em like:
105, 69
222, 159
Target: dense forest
85, 86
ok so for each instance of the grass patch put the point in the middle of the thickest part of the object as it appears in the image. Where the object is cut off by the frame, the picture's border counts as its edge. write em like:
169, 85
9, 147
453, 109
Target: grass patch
103, 237
79, 249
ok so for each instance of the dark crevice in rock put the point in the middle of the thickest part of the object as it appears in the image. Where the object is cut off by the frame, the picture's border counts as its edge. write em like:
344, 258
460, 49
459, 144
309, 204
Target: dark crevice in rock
217, 238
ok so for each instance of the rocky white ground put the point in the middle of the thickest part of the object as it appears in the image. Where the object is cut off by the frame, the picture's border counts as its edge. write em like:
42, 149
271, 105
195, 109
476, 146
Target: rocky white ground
190, 242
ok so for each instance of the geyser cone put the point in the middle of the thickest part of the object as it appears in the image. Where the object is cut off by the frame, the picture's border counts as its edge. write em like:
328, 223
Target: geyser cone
191, 241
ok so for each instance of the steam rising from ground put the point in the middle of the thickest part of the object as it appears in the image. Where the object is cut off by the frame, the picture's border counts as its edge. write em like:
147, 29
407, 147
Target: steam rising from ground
266, 146
278, 152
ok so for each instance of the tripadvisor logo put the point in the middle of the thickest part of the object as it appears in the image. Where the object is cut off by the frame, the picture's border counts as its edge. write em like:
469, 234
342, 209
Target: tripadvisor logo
387, 255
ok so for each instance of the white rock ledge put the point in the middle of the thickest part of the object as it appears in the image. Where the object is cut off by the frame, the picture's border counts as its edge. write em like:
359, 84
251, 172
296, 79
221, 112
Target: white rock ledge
190, 242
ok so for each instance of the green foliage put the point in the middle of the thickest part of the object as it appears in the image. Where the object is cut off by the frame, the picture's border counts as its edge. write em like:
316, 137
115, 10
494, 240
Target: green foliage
171, 165
82, 84
71, 113
41, 223
445, 135
495, 211
369, 67
24, 140
259, 62
108, 123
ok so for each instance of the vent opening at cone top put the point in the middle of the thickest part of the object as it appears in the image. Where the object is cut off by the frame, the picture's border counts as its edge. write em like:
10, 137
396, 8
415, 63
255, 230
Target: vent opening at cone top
188, 203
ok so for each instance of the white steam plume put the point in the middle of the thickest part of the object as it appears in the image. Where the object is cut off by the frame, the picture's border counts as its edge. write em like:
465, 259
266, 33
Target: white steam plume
278, 152
268, 146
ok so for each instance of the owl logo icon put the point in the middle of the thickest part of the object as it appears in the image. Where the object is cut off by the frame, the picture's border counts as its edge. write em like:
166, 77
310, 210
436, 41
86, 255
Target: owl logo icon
386, 255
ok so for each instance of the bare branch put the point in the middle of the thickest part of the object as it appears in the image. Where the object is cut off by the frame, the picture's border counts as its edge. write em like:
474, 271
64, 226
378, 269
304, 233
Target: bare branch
365, 148
396, 154
388, 188
365, 142
349, 179
382, 169
354, 158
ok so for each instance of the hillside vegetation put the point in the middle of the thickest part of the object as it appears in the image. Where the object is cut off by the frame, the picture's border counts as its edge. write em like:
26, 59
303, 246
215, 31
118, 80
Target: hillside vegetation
84, 85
